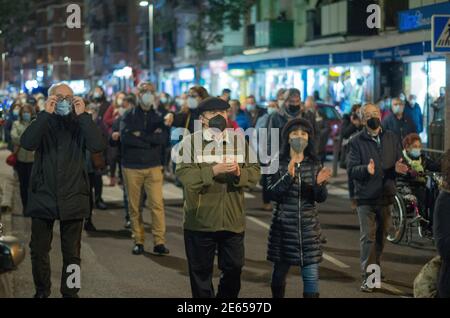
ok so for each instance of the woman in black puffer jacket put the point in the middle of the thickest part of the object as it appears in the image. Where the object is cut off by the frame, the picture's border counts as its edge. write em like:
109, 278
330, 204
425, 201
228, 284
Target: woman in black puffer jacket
294, 238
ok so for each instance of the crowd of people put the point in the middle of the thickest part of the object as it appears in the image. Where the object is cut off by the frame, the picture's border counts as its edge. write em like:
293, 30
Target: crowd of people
64, 145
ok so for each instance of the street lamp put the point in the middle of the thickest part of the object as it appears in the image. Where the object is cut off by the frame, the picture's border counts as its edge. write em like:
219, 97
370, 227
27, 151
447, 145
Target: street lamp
3, 68
150, 6
69, 64
91, 53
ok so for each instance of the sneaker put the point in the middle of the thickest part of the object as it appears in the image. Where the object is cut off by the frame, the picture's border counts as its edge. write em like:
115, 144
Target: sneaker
128, 225
161, 250
101, 205
365, 288
138, 249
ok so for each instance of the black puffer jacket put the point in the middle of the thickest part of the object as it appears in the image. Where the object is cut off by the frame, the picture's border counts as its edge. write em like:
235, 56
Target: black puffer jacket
295, 231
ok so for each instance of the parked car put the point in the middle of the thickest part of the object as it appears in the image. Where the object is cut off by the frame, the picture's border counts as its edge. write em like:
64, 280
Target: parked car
333, 119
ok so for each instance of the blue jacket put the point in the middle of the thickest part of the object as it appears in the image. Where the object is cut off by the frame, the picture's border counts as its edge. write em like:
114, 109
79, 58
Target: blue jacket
415, 113
401, 127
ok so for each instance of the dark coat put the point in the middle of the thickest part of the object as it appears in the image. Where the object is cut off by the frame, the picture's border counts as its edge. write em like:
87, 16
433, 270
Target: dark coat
180, 119
146, 150
59, 187
279, 119
401, 127
379, 188
441, 232
294, 236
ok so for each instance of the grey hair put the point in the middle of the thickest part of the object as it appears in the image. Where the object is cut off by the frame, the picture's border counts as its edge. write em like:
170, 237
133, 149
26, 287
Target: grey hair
55, 86
363, 108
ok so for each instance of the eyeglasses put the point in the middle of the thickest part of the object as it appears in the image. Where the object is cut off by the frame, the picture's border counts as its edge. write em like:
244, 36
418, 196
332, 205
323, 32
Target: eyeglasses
60, 98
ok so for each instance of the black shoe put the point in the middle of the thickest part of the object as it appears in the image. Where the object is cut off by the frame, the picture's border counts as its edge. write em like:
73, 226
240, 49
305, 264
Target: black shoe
40, 295
323, 239
101, 205
161, 250
138, 249
278, 291
127, 225
89, 226
365, 288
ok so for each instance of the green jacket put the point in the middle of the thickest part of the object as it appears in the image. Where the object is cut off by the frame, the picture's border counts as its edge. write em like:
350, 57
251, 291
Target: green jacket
214, 204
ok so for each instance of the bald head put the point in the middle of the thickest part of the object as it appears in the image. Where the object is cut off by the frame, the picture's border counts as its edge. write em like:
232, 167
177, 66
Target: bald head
61, 89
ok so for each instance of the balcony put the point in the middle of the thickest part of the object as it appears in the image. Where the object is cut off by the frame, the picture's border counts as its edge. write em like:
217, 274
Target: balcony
338, 19
274, 34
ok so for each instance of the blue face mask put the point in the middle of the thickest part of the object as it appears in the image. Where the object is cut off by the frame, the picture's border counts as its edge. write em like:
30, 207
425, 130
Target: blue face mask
415, 153
271, 110
250, 107
164, 100
16, 113
63, 108
26, 117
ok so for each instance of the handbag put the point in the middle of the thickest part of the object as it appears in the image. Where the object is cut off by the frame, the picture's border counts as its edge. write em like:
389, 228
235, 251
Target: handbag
11, 160
98, 161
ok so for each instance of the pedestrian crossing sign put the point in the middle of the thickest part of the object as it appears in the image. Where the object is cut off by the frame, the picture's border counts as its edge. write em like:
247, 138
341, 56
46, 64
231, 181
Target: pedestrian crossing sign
441, 33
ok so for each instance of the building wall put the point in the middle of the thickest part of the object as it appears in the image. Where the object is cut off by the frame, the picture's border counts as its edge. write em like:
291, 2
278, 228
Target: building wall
55, 41
420, 3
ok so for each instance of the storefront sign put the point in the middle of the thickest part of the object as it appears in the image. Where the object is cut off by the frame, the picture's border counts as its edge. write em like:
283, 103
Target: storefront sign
395, 52
420, 18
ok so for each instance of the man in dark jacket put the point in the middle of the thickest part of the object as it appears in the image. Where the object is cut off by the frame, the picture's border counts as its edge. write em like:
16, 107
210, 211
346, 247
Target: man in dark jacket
59, 188
398, 122
374, 160
253, 111
441, 229
412, 109
351, 125
291, 109
142, 139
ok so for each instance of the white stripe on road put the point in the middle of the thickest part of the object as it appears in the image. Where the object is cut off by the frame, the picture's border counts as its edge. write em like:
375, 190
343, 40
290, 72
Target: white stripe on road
333, 260
170, 192
327, 257
392, 289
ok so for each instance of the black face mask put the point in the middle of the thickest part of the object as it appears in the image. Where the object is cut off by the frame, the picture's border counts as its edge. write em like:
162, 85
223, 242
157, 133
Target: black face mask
294, 108
374, 123
218, 122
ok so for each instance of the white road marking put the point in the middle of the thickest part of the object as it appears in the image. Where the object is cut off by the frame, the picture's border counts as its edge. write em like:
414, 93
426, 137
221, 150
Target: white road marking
327, 257
392, 289
170, 192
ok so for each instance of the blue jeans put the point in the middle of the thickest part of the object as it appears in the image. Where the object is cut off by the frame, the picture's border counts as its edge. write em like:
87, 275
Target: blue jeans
310, 275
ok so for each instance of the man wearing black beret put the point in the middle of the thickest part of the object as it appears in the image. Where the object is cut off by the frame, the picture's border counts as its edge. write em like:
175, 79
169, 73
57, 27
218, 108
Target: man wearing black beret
214, 201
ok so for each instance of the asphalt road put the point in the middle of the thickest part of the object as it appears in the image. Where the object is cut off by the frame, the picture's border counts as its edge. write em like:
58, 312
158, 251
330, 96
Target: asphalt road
110, 270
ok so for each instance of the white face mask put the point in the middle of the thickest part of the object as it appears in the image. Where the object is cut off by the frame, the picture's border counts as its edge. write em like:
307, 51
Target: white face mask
120, 102
192, 103
280, 103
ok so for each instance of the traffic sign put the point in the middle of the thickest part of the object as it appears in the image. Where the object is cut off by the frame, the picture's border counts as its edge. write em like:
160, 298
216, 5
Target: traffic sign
440, 33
